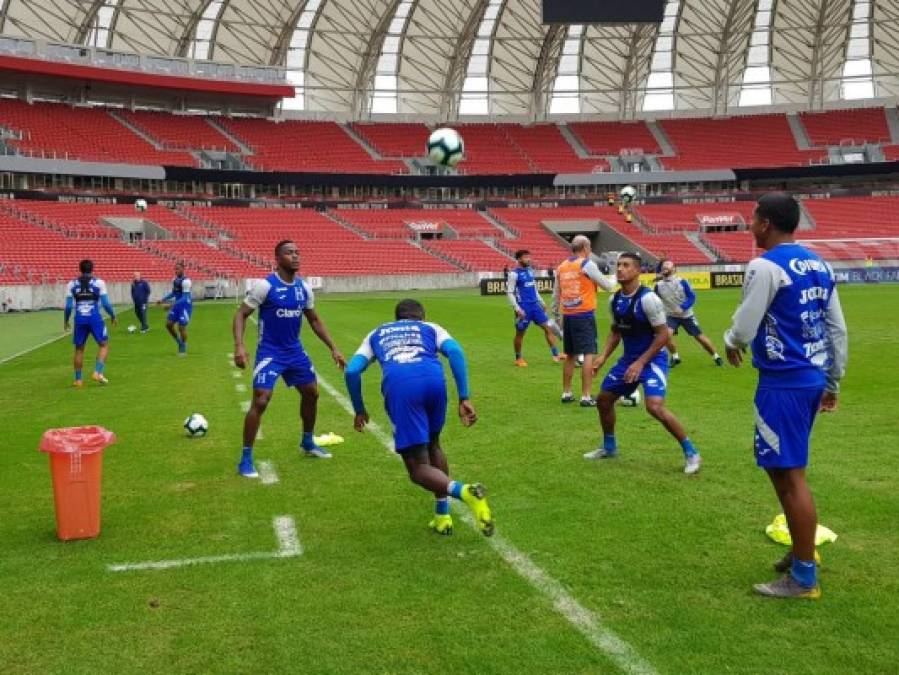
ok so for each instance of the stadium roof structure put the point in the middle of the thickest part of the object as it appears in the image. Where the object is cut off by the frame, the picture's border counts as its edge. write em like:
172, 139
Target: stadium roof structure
441, 59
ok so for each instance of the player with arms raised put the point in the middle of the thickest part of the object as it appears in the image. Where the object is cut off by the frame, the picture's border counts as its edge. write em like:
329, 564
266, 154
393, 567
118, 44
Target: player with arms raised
791, 316
414, 390
639, 322
85, 296
283, 299
521, 289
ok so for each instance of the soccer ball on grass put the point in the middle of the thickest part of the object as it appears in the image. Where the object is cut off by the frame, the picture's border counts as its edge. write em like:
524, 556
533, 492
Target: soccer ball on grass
196, 425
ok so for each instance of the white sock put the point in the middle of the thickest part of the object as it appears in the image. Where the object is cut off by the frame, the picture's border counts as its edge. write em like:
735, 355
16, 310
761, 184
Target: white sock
566, 393
715, 356
675, 356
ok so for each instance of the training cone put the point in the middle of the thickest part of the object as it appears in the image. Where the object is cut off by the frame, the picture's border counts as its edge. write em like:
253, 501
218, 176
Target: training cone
76, 463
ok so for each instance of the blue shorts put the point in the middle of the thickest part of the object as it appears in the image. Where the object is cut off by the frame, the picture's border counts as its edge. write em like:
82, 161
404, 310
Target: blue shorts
689, 324
180, 314
654, 378
296, 369
534, 313
97, 328
417, 410
783, 424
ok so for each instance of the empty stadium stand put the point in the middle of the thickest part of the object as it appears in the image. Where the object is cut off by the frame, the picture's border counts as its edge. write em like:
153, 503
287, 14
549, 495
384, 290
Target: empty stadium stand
489, 150
305, 146
472, 254
735, 142
403, 223
327, 248
611, 138
548, 151
395, 140
179, 132
840, 127
90, 134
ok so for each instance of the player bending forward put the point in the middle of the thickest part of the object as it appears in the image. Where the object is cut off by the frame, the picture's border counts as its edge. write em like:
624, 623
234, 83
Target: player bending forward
414, 390
638, 321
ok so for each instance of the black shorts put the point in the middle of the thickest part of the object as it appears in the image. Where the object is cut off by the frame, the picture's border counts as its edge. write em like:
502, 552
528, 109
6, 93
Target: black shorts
579, 334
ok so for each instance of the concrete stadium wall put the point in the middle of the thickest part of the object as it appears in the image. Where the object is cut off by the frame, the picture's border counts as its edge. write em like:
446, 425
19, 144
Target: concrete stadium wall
49, 296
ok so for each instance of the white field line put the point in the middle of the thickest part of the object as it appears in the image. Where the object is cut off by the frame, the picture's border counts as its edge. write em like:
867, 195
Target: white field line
240, 388
245, 406
236, 374
586, 622
345, 403
288, 547
267, 473
48, 342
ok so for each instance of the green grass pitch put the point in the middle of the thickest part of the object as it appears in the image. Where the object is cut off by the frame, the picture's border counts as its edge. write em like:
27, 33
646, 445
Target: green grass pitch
664, 561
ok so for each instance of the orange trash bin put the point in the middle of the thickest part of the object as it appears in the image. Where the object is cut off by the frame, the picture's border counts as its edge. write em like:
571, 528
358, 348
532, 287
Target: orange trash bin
76, 464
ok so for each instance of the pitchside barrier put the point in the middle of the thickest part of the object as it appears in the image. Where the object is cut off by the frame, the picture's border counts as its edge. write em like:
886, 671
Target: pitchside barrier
700, 281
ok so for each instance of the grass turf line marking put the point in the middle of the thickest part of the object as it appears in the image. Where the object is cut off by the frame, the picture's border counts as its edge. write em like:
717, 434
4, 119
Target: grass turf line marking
586, 622
240, 388
288, 547
245, 406
267, 474
344, 402
236, 374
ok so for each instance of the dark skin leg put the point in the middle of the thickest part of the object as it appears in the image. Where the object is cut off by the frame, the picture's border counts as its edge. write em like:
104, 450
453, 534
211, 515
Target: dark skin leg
706, 344
308, 405
605, 404
799, 508
519, 338
261, 398
655, 406
170, 326
78, 361
437, 458
183, 331
423, 473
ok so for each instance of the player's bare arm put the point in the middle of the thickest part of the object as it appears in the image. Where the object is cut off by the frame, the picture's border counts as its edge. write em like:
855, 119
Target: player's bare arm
318, 327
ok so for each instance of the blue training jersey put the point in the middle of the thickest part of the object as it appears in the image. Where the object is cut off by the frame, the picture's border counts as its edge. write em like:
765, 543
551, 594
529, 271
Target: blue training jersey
281, 307
406, 350
525, 286
635, 317
181, 290
792, 344
86, 293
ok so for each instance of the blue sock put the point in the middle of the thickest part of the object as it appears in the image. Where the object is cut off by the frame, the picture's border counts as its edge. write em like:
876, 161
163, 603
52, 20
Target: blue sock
441, 506
247, 454
98, 367
554, 350
308, 441
455, 489
608, 443
77, 374
805, 572
689, 448
517, 355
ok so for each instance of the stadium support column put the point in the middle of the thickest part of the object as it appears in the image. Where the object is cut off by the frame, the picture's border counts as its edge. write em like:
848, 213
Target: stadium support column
731, 53
833, 19
455, 74
636, 68
547, 65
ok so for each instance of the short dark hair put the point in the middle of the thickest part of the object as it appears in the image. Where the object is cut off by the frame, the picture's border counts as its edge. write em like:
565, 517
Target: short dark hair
409, 309
780, 209
632, 255
521, 252
280, 244
86, 266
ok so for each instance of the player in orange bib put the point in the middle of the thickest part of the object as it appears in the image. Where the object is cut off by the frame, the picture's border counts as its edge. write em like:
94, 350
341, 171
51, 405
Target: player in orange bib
574, 296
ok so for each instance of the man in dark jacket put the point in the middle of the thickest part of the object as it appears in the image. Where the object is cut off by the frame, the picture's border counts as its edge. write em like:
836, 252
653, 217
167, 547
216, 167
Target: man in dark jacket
140, 295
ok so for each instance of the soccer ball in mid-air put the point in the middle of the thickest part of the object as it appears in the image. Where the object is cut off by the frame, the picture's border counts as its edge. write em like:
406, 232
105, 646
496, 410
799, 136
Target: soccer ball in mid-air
196, 425
445, 147
132, 329
140, 205
628, 194
632, 400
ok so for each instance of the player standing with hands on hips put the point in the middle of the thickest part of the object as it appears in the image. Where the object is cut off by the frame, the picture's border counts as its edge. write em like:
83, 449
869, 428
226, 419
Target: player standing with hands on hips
283, 299
791, 315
